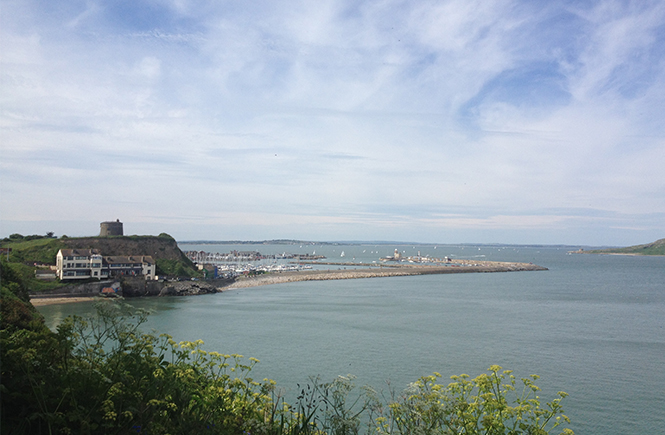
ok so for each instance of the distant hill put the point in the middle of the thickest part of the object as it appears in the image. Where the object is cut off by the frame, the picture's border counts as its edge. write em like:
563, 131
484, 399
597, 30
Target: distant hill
655, 248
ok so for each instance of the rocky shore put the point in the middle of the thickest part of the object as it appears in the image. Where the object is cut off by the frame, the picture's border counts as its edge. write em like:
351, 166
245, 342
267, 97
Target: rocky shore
129, 287
140, 288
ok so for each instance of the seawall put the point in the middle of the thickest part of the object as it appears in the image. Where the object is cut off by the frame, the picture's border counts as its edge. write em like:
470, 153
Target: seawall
458, 266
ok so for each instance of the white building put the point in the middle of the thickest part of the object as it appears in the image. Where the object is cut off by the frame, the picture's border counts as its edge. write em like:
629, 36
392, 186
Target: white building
89, 263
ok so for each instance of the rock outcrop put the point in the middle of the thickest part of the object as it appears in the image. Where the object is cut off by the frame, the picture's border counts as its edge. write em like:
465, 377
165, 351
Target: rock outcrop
160, 247
135, 287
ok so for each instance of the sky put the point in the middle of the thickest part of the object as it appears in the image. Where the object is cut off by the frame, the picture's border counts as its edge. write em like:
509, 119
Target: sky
449, 121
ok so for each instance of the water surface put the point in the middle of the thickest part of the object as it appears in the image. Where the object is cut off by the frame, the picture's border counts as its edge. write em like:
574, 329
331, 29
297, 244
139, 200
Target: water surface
591, 325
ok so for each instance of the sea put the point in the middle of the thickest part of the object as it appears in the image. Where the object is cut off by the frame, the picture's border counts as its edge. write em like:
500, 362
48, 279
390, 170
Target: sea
591, 325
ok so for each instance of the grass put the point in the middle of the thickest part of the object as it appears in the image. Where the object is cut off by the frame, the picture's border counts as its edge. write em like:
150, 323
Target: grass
27, 274
176, 268
34, 251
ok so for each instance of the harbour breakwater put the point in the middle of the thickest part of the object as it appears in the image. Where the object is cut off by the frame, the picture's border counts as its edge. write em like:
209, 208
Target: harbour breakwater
457, 266
138, 287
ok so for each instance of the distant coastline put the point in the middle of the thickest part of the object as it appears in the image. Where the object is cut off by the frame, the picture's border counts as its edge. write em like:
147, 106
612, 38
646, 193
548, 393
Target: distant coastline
656, 248
364, 242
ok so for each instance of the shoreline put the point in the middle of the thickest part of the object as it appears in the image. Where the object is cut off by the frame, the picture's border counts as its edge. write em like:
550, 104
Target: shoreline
40, 302
456, 266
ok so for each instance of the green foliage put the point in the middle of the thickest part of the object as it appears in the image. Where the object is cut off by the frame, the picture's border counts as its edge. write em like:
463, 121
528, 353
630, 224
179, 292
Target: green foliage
166, 236
27, 274
103, 375
17, 314
24, 276
10, 277
492, 403
39, 250
176, 268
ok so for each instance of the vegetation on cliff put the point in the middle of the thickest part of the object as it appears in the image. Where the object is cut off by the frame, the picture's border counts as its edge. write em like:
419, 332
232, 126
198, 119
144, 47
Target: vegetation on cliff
28, 252
33, 250
655, 248
102, 375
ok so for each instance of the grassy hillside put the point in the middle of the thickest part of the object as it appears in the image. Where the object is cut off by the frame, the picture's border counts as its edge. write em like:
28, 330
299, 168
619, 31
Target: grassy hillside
41, 250
655, 248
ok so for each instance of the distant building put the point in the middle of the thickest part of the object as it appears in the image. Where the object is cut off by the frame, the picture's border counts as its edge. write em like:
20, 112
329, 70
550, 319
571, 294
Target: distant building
89, 263
396, 257
111, 228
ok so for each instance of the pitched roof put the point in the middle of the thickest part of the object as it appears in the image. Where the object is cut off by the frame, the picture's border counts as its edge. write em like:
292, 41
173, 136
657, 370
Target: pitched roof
79, 252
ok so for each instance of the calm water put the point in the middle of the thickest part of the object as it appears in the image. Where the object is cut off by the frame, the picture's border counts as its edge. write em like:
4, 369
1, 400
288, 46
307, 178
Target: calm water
593, 326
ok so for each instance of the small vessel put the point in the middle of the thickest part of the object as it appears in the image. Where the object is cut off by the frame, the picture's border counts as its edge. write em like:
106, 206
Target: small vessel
342, 255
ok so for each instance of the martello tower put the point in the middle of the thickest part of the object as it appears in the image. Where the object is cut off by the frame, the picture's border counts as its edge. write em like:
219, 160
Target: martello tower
111, 228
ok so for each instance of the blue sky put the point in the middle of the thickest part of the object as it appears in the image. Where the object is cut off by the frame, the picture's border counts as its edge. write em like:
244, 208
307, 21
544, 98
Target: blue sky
433, 121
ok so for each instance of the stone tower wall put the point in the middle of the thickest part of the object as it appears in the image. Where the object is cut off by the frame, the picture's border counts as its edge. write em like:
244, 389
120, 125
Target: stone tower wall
111, 229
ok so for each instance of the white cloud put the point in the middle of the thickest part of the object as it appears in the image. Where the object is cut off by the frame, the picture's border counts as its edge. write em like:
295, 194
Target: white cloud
337, 118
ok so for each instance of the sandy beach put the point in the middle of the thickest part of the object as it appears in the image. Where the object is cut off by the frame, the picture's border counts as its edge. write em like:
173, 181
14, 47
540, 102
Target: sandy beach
456, 266
38, 302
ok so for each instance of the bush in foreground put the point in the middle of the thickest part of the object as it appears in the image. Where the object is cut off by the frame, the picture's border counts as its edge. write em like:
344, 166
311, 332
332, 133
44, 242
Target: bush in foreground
104, 375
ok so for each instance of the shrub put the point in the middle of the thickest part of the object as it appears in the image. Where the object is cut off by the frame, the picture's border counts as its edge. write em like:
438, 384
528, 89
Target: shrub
492, 403
103, 375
